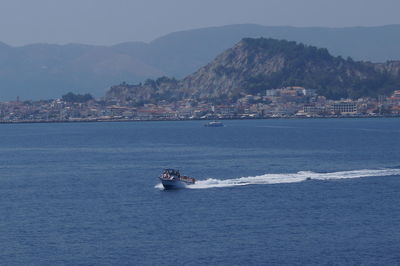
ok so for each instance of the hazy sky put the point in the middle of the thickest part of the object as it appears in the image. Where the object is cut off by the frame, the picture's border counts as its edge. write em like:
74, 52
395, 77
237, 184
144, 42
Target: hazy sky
115, 21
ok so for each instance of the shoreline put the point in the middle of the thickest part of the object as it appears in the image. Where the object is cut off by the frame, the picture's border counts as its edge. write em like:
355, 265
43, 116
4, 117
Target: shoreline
197, 119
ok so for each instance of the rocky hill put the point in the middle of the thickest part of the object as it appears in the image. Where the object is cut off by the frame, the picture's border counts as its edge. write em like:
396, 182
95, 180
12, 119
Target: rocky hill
151, 91
254, 65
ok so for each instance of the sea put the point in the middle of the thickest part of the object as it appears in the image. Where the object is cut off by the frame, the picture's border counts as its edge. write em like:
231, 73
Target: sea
269, 192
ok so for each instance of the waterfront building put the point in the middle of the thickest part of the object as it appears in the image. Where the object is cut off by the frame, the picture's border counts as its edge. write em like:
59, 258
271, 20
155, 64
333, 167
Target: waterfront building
312, 109
346, 107
309, 92
225, 110
272, 93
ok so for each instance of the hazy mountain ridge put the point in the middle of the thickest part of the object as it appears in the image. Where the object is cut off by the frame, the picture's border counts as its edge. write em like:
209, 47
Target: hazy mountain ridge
254, 65
45, 70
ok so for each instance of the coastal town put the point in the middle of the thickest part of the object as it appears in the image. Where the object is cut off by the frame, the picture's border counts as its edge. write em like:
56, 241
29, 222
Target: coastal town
288, 102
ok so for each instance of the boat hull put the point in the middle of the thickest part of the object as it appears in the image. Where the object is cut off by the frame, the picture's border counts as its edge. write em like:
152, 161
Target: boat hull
214, 125
173, 184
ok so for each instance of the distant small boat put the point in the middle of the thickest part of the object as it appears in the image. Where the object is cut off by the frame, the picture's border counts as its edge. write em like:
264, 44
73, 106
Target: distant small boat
172, 179
214, 124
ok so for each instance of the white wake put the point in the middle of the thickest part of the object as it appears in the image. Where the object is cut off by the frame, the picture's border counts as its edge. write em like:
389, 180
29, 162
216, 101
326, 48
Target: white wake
290, 178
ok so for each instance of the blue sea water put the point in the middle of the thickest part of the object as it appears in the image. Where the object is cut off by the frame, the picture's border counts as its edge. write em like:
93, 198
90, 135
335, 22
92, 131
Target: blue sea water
88, 193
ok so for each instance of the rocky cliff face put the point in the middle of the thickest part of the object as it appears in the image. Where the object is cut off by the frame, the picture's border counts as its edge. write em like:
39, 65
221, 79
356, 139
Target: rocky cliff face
254, 65
227, 75
391, 67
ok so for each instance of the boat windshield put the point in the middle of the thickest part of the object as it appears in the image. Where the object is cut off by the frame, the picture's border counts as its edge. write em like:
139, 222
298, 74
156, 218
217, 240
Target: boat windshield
172, 172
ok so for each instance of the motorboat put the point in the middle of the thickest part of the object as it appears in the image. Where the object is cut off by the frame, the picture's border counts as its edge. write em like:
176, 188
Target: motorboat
172, 179
214, 124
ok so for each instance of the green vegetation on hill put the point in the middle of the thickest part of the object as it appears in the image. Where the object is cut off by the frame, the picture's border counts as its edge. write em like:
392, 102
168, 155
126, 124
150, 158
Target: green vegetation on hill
77, 98
311, 67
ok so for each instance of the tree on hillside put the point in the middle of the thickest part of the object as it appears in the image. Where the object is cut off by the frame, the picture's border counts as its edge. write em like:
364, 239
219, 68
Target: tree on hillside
77, 98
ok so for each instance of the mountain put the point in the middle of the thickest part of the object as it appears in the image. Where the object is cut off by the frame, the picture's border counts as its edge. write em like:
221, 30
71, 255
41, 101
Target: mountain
254, 65
46, 71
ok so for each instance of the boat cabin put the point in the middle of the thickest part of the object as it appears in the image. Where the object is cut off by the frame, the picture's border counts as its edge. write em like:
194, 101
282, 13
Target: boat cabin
171, 174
